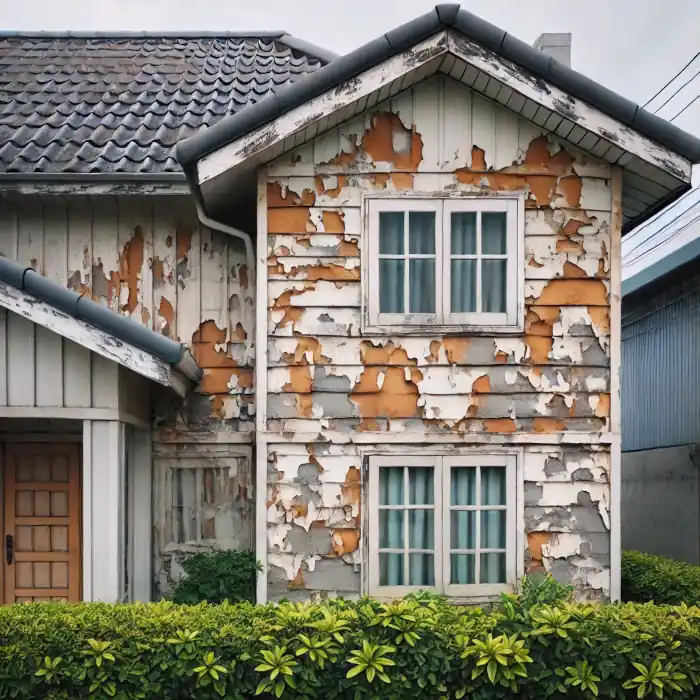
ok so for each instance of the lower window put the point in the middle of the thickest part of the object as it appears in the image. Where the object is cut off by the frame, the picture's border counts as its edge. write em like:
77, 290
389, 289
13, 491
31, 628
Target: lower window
446, 524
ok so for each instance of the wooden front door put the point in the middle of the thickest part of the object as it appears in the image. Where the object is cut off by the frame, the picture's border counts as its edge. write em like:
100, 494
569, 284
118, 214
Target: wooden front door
41, 542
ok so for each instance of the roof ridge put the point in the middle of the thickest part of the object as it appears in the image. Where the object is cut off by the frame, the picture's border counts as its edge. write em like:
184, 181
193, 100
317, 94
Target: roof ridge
137, 34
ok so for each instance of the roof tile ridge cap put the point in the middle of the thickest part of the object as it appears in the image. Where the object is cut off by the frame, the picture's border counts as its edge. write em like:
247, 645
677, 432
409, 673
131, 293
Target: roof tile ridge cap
447, 12
309, 49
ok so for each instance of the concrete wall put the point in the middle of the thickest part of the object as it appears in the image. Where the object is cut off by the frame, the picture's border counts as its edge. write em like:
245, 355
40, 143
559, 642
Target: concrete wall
661, 502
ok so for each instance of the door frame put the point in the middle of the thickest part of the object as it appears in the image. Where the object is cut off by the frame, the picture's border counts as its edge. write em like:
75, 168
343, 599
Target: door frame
16, 439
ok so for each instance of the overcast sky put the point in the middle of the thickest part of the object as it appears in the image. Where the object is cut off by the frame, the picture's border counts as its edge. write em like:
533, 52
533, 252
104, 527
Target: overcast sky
632, 46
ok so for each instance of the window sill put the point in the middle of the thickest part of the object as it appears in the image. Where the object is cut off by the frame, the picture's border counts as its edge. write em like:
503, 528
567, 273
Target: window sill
407, 329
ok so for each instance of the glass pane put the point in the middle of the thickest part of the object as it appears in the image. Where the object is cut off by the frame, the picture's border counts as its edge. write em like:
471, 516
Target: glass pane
421, 529
493, 486
462, 569
421, 569
391, 233
493, 286
421, 232
493, 529
463, 486
463, 286
493, 568
463, 529
463, 233
391, 486
422, 286
493, 233
420, 486
391, 286
391, 529
391, 570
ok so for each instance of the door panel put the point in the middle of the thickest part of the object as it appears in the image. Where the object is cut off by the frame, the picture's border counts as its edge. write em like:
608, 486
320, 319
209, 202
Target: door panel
42, 522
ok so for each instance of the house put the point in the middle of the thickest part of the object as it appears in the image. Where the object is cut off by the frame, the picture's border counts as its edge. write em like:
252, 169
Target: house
660, 383
399, 279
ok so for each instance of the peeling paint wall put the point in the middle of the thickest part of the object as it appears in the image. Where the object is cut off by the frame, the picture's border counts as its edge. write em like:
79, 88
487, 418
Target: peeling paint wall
326, 381
148, 258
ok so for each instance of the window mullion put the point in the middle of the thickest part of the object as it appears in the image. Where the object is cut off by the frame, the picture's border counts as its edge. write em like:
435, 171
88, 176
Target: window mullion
406, 547
477, 529
478, 262
438, 506
407, 265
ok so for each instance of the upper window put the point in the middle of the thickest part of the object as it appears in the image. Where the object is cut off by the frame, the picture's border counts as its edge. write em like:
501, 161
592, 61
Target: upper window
443, 262
442, 523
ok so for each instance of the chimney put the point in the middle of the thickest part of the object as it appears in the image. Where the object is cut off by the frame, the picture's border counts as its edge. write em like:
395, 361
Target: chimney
556, 45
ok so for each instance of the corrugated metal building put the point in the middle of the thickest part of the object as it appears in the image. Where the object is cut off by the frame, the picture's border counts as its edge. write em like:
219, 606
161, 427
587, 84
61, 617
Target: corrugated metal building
661, 383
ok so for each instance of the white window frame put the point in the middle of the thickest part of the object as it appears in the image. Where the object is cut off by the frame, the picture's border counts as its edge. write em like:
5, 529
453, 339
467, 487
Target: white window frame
442, 465
443, 320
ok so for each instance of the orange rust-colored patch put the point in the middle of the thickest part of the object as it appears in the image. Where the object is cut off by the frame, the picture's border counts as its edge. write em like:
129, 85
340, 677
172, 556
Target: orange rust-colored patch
535, 542
238, 333
434, 351
349, 249
304, 405
402, 181
602, 410
216, 380
541, 186
327, 271
548, 425
333, 221
600, 317
389, 354
533, 263
352, 487
300, 380
379, 142
292, 316
573, 292
540, 320
571, 227
478, 158
501, 357
304, 346
279, 197
204, 346
130, 262
539, 158
570, 186
344, 542
566, 245
456, 349
569, 269
290, 220
183, 242
540, 347
481, 385
397, 398
104, 286
167, 313
75, 283
368, 425
500, 425
298, 581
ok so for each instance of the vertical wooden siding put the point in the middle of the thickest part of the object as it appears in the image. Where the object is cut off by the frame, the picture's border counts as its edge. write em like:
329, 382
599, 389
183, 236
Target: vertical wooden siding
327, 382
147, 257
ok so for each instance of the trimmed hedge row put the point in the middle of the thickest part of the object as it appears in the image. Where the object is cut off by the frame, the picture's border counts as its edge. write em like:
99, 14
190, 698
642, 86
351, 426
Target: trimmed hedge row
646, 577
419, 647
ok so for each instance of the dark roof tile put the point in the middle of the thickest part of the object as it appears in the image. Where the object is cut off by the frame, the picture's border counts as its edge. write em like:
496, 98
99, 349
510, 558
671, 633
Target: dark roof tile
119, 105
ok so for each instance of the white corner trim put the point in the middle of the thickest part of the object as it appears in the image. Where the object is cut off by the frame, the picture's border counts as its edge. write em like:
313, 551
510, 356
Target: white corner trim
261, 388
86, 525
320, 107
84, 334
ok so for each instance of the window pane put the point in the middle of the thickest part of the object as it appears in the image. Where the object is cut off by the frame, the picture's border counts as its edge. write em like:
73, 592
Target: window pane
421, 571
463, 529
391, 286
391, 529
420, 486
391, 570
463, 235
493, 486
421, 232
463, 286
463, 486
391, 233
185, 505
421, 529
391, 486
422, 286
493, 568
493, 286
493, 529
493, 233
462, 569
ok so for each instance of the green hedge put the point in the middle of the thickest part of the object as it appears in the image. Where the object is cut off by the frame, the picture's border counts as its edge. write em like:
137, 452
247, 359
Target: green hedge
646, 577
414, 648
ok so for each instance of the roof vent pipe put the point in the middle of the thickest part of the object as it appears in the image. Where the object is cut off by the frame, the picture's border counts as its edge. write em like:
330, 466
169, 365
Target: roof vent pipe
556, 45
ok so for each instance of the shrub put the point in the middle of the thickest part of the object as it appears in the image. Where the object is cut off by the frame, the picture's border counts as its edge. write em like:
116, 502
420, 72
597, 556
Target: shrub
217, 576
646, 577
417, 648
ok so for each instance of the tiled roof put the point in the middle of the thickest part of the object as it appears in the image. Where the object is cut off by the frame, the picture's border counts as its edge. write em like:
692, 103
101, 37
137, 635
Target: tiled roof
119, 104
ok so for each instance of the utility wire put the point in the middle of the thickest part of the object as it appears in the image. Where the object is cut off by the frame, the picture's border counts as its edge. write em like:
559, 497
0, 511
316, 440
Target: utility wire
656, 94
687, 82
693, 101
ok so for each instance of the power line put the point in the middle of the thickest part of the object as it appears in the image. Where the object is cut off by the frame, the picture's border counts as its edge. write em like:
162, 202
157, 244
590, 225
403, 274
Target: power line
687, 82
655, 95
693, 101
